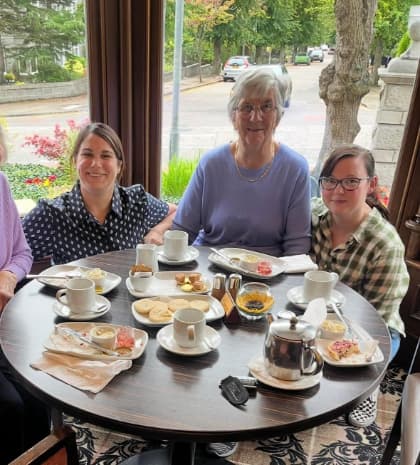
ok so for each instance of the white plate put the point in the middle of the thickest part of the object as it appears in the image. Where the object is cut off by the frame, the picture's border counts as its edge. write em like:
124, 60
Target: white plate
295, 296
63, 310
366, 343
192, 254
215, 311
278, 266
166, 340
258, 370
67, 345
111, 281
163, 283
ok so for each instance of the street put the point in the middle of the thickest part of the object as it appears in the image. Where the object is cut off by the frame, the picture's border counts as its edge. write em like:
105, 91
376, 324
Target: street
203, 119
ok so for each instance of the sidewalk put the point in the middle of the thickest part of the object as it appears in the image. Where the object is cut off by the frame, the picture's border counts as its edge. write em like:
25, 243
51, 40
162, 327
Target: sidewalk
80, 103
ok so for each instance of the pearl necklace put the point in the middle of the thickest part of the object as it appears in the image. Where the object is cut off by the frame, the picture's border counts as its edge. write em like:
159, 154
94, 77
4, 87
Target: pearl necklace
263, 174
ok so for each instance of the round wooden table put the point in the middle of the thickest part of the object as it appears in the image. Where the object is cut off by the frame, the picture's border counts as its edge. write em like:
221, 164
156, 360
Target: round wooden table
167, 396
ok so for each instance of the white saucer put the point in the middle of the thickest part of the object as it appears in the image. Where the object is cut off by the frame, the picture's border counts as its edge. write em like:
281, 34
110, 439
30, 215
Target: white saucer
64, 311
111, 281
258, 370
295, 296
166, 340
192, 254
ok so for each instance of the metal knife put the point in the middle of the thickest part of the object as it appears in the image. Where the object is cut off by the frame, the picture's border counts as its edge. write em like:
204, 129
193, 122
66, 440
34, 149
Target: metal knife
79, 336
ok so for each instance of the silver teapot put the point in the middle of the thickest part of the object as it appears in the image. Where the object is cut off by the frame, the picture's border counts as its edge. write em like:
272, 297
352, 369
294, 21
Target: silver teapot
289, 349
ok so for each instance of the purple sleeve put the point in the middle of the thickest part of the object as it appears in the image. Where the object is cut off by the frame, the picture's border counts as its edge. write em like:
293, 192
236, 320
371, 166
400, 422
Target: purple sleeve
15, 254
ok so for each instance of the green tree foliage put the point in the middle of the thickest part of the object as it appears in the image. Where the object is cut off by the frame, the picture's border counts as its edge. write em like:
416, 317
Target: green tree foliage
44, 29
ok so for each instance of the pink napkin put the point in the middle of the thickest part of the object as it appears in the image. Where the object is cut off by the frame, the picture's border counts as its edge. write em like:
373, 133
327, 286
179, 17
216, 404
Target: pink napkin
87, 375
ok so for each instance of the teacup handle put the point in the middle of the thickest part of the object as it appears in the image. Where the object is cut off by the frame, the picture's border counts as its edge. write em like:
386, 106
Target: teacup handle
317, 358
335, 277
59, 295
191, 332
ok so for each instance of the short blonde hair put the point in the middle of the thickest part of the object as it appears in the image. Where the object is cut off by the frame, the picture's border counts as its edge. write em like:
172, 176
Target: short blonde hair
3, 147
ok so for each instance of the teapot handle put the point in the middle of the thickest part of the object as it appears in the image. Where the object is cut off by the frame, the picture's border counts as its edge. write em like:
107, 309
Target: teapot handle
317, 358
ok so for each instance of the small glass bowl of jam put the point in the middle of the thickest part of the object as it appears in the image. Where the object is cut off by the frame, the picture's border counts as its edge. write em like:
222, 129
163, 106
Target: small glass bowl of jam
254, 300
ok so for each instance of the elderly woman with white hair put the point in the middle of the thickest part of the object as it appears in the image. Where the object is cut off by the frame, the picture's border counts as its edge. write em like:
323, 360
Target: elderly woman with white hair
254, 192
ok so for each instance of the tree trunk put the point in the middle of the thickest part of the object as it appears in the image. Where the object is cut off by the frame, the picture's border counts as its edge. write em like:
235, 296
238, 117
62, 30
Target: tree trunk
344, 82
377, 61
217, 51
2, 63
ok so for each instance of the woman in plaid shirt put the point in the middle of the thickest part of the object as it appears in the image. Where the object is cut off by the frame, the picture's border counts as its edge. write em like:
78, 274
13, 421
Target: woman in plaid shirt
351, 235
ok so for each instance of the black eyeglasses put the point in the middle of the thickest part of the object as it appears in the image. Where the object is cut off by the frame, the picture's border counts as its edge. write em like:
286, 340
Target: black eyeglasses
247, 108
348, 184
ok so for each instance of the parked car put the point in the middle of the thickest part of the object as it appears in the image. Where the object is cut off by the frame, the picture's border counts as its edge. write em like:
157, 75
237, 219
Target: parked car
317, 55
281, 71
234, 67
302, 58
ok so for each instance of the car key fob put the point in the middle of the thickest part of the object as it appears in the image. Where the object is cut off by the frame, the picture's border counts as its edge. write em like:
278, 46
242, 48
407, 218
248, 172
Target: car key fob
234, 391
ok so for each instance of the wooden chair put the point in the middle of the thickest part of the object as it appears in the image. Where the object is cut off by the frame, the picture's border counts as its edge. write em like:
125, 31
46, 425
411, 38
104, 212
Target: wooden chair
406, 427
58, 448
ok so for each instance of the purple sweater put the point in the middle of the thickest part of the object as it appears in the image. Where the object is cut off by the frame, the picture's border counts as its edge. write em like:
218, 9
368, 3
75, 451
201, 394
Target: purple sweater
271, 215
15, 254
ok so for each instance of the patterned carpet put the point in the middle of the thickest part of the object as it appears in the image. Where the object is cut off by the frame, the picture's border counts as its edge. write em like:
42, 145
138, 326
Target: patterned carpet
334, 443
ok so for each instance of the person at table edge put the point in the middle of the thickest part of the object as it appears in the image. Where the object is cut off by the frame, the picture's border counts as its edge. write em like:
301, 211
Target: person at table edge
352, 236
24, 419
252, 193
97, 215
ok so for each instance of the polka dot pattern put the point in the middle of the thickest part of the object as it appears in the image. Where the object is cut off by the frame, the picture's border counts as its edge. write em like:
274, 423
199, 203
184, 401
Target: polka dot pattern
66, 230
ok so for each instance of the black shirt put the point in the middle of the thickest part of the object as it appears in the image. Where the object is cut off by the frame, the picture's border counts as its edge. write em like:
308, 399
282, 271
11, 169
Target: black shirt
66, 230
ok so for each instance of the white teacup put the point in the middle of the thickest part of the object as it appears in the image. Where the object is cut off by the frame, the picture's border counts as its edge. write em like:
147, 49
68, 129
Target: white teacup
318, 284
146, 254
189, 325
141, 280
79, 295
175, 244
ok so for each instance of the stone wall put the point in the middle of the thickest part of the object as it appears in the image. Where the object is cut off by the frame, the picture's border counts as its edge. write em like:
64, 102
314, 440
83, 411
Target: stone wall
390, 122
10, 93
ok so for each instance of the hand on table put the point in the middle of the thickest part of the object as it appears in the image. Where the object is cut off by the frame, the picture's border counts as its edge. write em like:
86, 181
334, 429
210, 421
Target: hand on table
153, 237
8, 283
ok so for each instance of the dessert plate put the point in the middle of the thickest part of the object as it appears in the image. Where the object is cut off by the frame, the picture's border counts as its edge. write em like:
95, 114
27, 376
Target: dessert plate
167, 341
257, 368
164, 283
295, 296
370, 352
64, 311
215, 312
278, 266
64, 344
192, 254
67, 271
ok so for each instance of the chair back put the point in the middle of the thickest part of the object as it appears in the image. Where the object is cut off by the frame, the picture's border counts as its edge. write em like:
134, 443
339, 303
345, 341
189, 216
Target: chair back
58, 448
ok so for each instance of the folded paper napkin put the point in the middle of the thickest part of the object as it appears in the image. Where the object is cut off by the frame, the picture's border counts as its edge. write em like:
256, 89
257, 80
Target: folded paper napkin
315, 312
88, 375
298, 263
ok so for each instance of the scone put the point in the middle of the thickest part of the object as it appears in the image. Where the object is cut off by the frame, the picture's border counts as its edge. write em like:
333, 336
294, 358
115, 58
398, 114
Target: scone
342, 348
160, 314
200, 305
176, 304
144, 306
193, 277
180, 278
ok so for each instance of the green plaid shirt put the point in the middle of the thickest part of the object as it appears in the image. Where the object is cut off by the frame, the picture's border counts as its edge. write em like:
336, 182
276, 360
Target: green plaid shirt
371, 262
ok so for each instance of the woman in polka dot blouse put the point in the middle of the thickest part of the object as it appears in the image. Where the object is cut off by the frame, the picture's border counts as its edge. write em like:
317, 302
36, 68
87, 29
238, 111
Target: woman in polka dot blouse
97, 215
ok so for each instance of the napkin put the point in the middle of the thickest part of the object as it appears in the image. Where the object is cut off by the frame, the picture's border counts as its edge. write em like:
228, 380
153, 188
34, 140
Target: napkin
87, 375
298, 263
315, 312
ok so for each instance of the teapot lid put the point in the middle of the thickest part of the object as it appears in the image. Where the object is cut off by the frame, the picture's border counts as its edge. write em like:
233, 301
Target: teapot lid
293, 329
